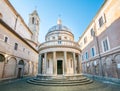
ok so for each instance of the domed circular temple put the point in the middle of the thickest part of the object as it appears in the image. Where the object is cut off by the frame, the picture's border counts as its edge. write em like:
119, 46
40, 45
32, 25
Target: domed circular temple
59, 55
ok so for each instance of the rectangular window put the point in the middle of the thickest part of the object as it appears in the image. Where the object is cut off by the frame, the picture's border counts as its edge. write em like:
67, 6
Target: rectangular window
105, 45
92, 32
101, 22
16, 46
59, 41
86, 55
6, 39
93, 52
85, 40
59, 37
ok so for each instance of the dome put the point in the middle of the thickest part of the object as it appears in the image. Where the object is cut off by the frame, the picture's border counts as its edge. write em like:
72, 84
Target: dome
59, 27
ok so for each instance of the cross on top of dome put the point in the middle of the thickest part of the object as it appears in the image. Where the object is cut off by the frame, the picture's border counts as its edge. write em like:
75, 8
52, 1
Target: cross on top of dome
59, 26
59, 21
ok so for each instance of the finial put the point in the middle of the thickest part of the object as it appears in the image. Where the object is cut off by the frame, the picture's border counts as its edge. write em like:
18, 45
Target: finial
59, 20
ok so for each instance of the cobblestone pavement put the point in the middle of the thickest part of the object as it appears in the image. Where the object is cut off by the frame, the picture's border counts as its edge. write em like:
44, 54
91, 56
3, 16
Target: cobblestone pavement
22, 85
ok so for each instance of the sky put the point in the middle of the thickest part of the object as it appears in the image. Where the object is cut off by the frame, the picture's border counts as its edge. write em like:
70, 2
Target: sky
75, 14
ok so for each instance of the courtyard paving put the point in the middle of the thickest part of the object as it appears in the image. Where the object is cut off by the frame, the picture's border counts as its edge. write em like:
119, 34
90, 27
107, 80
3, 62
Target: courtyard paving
22, 85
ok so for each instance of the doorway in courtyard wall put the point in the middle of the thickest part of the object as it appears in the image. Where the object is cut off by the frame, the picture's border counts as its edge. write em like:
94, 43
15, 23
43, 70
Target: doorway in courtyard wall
19, 72
59, 67
20, 69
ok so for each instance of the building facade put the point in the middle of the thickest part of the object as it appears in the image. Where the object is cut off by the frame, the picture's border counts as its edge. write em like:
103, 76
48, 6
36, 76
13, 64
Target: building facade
100, 43
59, 55
18, 44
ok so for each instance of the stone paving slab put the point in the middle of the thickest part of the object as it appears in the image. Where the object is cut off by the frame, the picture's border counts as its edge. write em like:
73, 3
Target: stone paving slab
22, 85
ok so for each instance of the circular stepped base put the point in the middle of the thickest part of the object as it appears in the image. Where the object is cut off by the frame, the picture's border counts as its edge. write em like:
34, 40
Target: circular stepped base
60, 82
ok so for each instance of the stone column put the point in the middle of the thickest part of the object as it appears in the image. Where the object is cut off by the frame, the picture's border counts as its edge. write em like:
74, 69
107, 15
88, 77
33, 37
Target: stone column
45, 64
39, 64
79, 63
65, 62
54, 63
74, 63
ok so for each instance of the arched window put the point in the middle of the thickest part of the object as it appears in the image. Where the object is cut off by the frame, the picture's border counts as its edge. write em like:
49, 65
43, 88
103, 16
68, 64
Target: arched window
65, 38
92, 32
6, 39
33, 20
59, 37
53, 37
2, 58
16, 46
21, 62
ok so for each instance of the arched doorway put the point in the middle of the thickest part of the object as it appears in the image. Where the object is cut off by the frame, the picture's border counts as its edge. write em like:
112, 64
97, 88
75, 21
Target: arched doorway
20, 69
109, 67
26, 68
117, 63
10, 68
2, 59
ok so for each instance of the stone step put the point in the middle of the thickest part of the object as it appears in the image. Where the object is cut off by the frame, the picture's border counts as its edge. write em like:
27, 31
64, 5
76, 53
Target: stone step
65, 84
57, 79
60, 82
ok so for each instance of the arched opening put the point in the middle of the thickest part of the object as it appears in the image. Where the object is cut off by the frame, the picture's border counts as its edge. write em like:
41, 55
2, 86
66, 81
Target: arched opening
20, 69
96, 69
33, 20
114, 69
109, 67
10, 68
2, 58
26, 68
117, 63
104, 68
21, 62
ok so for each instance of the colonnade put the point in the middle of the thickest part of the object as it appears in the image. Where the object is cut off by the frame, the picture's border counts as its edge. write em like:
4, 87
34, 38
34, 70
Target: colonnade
75, 56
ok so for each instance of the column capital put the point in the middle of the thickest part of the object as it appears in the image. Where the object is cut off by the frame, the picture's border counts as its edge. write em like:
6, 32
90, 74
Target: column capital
54, 51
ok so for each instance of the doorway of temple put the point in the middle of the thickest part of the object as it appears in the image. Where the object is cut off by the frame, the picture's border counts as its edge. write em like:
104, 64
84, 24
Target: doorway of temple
59, 67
